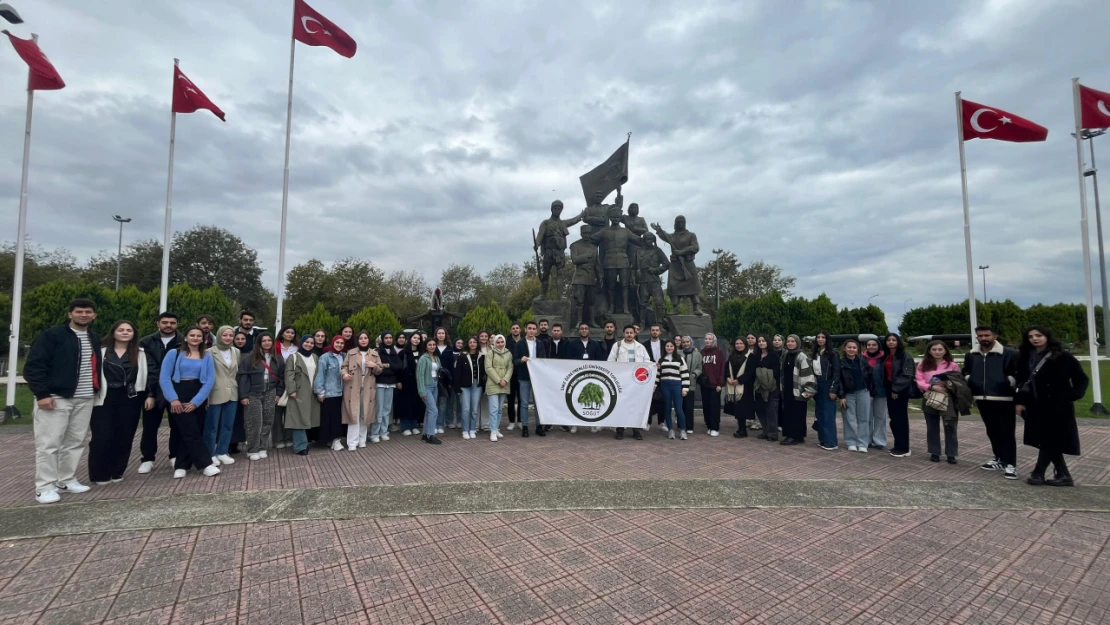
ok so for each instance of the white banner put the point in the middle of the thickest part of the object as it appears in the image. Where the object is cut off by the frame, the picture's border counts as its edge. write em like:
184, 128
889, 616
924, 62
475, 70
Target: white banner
592, 393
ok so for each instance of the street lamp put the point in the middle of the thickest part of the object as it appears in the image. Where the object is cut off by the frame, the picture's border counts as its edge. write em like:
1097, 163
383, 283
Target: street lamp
1089, 135
984, 268
9, 13
904, 302
871, 298
119, 254
718, 252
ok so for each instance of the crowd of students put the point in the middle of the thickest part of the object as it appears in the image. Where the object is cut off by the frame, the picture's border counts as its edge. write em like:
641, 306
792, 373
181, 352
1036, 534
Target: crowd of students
231, 390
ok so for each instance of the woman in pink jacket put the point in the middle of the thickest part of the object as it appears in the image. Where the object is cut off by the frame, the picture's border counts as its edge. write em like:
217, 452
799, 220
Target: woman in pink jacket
930, 376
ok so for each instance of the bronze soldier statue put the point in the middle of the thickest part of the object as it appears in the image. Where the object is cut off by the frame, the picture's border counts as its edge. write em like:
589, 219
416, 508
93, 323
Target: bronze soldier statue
683, 281
652, 263
552, 240
638, 226
614, 242
583, 253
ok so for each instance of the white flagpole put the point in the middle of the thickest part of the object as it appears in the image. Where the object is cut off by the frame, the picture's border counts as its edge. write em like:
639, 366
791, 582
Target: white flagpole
17, 279
967, 216
1092, 338
163, 296
285, 184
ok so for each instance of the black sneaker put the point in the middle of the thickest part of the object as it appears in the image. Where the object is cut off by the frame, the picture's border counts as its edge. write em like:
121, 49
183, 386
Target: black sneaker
303, 452
542, 431
566, 428
636, 434
934, 458
991, 465
524, 431
951, 460
740, 434
1036, 479
620, 435
762, 437
1060, 480
434, 440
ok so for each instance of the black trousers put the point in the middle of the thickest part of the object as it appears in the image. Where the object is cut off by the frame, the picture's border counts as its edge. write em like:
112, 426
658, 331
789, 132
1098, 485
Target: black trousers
898, 411
688, 409
113, 426
191, 451
1000, 421
514, 399
711, 407
1046, 457
152, 421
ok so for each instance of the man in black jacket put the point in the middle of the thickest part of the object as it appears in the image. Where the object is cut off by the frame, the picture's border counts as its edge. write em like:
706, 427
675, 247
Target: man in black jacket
557, 345
246, 324
527, 349
514, 384
157, 345
393, 364
654, 347
610, 339
991, 372
585, 348
63, 372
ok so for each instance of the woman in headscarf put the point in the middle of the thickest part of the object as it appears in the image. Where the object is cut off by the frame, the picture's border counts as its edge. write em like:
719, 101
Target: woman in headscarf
360, 370
286, 346
223, 401
692, 355
238, 431
328, 387
874, 355
302, 412
797, 386
499, 374
739, 398
767, 397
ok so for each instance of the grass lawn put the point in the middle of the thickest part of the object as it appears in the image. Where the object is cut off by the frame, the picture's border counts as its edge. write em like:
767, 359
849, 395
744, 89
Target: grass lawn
1083, 406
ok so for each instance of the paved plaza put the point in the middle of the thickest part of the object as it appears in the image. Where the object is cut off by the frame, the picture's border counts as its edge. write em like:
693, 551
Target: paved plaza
565, 529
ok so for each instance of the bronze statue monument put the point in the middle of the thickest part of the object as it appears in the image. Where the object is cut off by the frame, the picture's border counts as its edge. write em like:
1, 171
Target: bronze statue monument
552, 240
651, 263
683, 280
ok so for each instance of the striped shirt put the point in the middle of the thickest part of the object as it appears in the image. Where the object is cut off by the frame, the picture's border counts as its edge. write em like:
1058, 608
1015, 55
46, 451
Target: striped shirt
674, 371
84, 373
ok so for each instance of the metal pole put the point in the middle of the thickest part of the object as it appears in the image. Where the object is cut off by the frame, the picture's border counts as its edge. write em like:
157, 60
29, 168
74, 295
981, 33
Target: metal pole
1101, 252
164, 285
967, 214
285, 184
718, 282
984, 268
119, 254
17, 277
1092, 340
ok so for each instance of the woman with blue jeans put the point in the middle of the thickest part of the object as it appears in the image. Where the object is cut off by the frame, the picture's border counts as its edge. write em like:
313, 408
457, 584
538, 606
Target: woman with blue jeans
328, 387
852, 385
499, 375
826, 366
674, 384
427, 385
470, 379
224, 399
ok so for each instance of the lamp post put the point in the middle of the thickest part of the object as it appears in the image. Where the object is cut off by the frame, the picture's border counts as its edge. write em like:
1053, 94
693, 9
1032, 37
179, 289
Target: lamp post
984, 268
119, 254
718, 252
904, 302
871, 298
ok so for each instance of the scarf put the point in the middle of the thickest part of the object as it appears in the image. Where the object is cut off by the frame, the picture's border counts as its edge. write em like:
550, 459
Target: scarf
330, 349
493, 344
797, 342
216, 340
307, 353
873, 358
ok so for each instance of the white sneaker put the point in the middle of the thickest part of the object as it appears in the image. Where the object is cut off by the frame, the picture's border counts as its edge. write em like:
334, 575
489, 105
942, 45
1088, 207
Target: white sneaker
683, 436
280, 446
663, 427
852, 448
375, 439
353, 447
173, 461
146, 467
511, 426
1011, 472
493, 436
362, 444
226, 459
466, 435
74, 487
574, 429
385, 437
262, 454
336, 445
689, 431
103, 483
216, 460
862, 450
594, 429
211, 470
48, 496
439, 430
178, 474
407, 433
254, 457
714, 433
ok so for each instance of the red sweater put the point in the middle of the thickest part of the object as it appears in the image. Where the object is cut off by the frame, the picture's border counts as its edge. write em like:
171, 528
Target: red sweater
713, 362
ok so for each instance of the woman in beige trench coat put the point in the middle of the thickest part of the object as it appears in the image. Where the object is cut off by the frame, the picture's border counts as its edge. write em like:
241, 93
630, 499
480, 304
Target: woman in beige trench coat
360, 368
302, 412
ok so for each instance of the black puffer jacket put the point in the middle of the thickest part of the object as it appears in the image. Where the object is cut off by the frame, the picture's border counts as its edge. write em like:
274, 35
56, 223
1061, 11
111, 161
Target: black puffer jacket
844, 383
992, 376
464, 375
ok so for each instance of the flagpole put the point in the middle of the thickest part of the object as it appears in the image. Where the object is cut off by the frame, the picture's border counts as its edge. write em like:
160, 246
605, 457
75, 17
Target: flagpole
163, 296
1092, 337
17, 278
285, 184
967, 216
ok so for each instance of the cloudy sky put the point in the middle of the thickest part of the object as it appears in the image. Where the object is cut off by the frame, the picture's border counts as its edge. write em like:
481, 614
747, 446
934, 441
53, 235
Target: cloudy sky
820, 138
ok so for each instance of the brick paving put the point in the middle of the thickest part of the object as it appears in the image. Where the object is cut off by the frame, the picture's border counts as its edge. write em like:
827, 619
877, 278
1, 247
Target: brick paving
597, 567
407, 460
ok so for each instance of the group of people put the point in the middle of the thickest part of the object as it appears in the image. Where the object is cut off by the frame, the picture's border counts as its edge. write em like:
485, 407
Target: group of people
229, 387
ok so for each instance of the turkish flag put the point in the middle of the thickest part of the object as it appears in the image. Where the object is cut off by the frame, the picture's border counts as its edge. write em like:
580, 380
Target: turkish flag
985, 122
187, 98
1094, 107
43, 74
313, 29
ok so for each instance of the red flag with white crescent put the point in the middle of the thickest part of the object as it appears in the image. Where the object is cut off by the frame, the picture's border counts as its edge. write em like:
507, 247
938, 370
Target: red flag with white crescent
313, 29
187, 98
988, 122
43, 74
1094, 108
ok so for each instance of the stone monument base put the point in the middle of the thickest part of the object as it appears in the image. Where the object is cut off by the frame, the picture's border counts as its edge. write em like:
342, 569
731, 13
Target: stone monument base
692, 325
554, 310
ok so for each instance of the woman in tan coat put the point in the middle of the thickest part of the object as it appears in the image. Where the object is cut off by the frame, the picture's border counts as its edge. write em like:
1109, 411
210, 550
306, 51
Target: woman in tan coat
302, 412
360, 367
499, 372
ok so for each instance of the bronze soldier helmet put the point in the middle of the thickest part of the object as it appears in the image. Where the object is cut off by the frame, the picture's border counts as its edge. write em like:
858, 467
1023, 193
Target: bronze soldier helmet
633, 209
557, 205
680, 223
649, 238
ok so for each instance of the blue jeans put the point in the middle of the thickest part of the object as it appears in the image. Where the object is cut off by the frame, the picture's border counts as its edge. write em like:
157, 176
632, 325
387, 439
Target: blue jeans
469, 408
497, 405
384, 399
672, 397
857, 419
878, 421
218, 423
431, 413
525, 395
300, 440
445, 407
826, 415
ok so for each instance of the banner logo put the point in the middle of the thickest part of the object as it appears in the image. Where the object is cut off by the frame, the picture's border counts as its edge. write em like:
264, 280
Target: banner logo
641, 375
591, 395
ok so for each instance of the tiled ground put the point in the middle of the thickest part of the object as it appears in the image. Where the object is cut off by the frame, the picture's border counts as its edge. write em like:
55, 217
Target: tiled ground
699, 566
406, 460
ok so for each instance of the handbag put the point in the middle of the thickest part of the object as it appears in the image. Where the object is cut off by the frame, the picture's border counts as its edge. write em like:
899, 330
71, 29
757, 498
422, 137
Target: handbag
284, 399
936, 400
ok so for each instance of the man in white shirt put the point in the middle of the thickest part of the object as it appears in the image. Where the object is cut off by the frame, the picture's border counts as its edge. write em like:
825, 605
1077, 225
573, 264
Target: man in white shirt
629, 350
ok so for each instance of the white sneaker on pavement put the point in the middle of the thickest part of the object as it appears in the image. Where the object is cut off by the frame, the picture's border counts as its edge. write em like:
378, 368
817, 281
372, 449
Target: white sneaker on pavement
493, 436
385, 437
178, 474
407, 433
262, 454
466, 435
146, 467
574, 429
511, 426
714, 433
226, 459
335, 446
439, 430
211, 470
216, 460
375, 439
73, 487
254, 457
48, 496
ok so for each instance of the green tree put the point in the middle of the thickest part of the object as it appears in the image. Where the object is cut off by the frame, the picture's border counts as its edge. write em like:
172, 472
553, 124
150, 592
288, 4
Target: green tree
737, 281
375, 320
346, 286
520, 299
592, 395
499, 282
39, 266
490, 318
767, 315
5, 313
139, 265
1059, 317
317, 318
189, 304
406, 294
525, 317
458, 284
